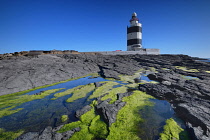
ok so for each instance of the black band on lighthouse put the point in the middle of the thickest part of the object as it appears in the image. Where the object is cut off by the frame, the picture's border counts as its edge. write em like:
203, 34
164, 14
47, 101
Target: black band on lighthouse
133, 42
134, 29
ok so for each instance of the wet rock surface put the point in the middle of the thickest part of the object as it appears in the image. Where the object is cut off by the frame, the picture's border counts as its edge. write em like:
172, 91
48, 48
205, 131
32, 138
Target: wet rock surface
109, 111
190, 98
48, 134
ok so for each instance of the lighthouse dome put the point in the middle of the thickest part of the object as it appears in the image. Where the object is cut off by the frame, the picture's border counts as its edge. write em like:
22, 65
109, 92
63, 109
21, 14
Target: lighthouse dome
134, 14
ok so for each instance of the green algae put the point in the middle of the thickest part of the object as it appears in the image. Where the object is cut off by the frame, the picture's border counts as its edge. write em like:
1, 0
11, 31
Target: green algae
81, 92
8, 105
132, 85
113, 93
83, 134
70, 126
88, 117
171, 130
189, 77
165, 69
98, 128
64, 118
99, 91
9, 135
153, 69
129, 78
128, 119
186, 69
8, 111
66, 92
90, 124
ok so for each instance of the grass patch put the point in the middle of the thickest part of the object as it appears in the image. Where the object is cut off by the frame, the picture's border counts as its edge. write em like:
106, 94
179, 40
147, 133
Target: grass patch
171, 130
81, 92
91, 126
103, 89
9, 135
113, 93
10, 103
186, 69
64, 118
128, 119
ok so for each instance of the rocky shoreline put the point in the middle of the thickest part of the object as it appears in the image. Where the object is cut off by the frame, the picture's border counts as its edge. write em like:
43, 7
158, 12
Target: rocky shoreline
190, 98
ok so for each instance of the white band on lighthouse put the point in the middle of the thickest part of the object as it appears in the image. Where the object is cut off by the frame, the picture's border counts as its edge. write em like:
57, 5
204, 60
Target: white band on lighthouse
134, 35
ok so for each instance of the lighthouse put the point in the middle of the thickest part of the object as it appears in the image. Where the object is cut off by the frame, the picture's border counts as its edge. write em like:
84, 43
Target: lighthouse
134, 34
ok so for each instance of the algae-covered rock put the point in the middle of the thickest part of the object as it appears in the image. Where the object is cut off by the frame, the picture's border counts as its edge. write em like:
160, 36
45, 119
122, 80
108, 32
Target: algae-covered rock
64, 118
171, 130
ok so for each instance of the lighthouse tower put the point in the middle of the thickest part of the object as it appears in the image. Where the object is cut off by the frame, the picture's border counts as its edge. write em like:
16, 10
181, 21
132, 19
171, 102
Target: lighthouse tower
134, 34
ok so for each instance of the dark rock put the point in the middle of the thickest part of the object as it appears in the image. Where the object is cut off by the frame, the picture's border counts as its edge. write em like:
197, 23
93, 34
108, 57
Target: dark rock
46, 134
67, 135
29, 136
49, 134
190, 99
83, 111
98, 84
109, 111
121, 95
57, 136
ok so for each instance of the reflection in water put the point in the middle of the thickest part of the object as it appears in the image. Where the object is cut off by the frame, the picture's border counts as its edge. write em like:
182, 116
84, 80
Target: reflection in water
38, 114
143, 77
154, 118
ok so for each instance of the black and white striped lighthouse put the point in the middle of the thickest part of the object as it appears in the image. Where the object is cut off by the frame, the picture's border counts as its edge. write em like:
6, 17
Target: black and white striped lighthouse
134, 34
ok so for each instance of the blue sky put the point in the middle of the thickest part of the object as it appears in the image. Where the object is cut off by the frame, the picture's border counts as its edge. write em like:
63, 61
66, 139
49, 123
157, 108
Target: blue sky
173, 26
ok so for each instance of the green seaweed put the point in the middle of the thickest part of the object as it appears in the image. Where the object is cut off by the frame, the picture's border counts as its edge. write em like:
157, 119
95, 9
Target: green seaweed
88, 117
83, 134
153, 69
132, 85
9, 135
98, 128
70, 126
128, 119
64, 118
108, 85
113, 93
186, 69
189, 78
165, 69
7, 105
129, 78
171, 130
66, 92
81, 92
91, 126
